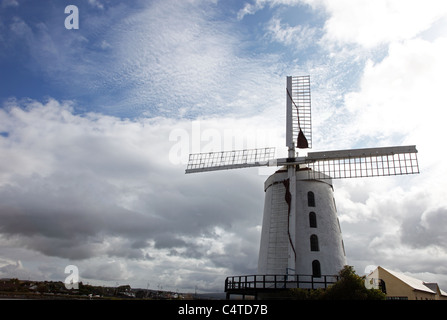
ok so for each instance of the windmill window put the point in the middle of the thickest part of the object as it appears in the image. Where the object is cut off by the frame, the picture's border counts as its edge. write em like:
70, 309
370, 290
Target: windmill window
310, 199
312, 220
316, 269
314, 243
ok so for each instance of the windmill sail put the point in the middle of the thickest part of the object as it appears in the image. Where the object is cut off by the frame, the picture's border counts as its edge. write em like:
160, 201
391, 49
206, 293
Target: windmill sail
352, 163
299, 95
357, 163
224, 160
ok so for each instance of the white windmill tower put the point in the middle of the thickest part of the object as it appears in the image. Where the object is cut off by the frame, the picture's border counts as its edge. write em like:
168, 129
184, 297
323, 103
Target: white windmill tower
300, 231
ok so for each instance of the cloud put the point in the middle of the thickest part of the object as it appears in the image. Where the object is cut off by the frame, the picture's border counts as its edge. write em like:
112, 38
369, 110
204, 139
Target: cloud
109, 193
178, 60
68, 177
299, 36
44, 49
426, 229
82, 188
375, 23
96, 4
400, 100
108, 271
9, 267
252, 8
10, 3
97, 190
163, 58
365, 23
390, 221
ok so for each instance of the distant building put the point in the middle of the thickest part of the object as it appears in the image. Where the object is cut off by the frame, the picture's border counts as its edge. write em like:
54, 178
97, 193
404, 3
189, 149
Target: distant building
398, 286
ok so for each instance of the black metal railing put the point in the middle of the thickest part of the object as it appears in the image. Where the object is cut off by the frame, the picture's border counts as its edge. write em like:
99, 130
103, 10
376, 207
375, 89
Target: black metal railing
275, 281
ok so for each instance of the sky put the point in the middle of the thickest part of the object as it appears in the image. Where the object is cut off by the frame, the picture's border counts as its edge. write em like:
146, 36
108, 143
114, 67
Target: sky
96, 124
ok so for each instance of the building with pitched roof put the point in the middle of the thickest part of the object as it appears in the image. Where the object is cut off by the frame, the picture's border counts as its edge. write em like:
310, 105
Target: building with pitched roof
398, 286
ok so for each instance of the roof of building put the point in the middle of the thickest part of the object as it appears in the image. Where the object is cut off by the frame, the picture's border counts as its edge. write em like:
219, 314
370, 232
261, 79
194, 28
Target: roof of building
434, 286
416, 284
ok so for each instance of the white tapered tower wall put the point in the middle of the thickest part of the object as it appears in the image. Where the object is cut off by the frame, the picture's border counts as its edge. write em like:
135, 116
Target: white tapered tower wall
273, 253
328, 248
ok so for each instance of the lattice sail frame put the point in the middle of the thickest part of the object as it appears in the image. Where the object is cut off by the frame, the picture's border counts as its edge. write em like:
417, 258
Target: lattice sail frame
339, 164
301, 97
225, 160
351, 163
358, 163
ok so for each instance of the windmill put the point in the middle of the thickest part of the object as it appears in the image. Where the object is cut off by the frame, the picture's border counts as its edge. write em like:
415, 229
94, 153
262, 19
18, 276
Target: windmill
301, 234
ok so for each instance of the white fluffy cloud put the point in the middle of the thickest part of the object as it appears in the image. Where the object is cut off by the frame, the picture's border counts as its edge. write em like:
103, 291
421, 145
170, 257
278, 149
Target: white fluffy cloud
361, 22
399, 101
372, 23
403, 92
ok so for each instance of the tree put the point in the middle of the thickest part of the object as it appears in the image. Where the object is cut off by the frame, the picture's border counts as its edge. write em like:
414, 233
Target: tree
351, 286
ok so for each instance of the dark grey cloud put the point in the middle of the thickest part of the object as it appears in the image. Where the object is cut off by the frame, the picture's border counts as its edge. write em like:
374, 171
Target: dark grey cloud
93, 187
425, 228
63, 216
